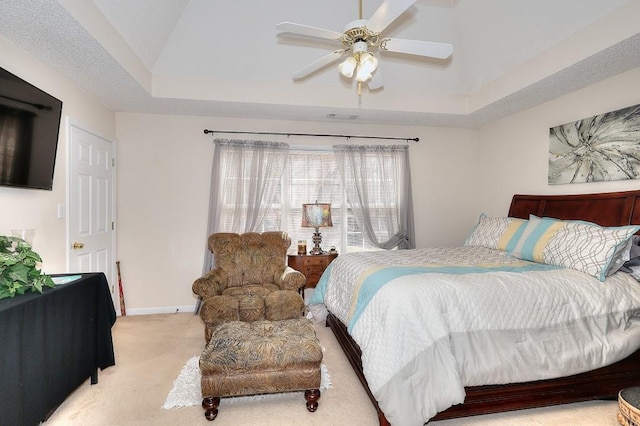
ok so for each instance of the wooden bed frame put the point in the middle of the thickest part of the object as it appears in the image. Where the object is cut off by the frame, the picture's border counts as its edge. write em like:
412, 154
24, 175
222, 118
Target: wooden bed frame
606, 209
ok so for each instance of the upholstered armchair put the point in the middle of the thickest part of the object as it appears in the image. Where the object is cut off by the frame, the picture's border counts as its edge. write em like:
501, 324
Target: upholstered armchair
251, 280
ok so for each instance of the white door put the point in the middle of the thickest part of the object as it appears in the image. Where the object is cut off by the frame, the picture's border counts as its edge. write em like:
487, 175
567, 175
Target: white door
90, 230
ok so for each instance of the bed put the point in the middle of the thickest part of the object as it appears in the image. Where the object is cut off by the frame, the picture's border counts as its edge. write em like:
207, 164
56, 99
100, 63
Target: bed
600, 374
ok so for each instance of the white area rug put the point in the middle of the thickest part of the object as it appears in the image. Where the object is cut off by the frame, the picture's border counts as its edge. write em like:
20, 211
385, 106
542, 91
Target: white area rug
186, 390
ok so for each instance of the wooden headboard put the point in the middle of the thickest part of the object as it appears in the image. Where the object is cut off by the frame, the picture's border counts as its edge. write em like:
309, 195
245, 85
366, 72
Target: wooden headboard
605, 209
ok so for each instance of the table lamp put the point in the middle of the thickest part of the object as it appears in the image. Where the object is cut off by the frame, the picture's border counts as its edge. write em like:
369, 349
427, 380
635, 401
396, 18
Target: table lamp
316, 215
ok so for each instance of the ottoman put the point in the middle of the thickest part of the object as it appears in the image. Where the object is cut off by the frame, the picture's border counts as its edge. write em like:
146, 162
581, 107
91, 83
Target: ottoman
249, 358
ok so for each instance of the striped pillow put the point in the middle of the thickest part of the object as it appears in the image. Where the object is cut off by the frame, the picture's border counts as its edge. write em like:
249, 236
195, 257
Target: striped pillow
499, 233
582, 246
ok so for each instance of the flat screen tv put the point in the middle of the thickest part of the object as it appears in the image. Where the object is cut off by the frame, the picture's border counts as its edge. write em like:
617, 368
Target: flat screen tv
29, 126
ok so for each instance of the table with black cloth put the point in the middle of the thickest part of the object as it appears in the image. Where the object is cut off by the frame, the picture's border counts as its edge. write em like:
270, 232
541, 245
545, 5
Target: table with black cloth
50, 343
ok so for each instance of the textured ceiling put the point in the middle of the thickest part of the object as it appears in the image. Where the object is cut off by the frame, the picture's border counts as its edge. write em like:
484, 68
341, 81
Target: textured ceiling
215, 57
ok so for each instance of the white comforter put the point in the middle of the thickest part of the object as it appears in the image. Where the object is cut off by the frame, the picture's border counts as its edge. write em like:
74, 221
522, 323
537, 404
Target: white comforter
426, 336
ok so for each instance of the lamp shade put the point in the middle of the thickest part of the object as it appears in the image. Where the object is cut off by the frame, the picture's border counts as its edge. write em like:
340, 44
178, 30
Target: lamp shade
366, 66
316, 215
347, 67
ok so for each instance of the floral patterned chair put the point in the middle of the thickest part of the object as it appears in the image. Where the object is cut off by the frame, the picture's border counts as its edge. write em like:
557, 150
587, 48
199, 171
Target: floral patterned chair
251, 280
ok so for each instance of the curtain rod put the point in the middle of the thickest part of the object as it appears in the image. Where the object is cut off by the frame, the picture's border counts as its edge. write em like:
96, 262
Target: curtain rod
207, 131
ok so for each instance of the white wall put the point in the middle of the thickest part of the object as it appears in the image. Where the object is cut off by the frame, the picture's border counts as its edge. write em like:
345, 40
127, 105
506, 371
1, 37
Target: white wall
164, 167
514, 151
443, 174
37, 209
163, 179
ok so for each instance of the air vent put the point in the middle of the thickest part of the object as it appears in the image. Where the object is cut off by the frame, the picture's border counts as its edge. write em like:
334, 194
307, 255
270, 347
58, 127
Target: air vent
342, 116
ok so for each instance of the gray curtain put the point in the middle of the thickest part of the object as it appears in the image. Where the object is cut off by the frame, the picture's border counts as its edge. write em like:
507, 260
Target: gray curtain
384, 211
245, 177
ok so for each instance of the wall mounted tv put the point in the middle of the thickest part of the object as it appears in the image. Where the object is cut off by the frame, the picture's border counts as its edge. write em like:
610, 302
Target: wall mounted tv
29, 126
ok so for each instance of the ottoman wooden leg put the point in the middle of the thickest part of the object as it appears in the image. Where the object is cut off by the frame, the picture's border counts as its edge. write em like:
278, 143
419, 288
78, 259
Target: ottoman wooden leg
312, 396
210, 405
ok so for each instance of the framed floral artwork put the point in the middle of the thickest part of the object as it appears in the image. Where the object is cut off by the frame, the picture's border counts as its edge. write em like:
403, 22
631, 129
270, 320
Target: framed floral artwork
603, 147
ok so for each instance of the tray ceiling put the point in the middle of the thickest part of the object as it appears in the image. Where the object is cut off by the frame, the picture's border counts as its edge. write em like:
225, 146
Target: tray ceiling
214, 57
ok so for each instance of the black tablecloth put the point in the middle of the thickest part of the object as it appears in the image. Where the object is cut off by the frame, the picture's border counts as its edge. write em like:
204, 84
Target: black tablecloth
50, 343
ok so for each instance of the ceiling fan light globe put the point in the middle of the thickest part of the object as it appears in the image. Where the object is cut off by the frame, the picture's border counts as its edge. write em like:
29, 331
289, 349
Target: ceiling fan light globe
362, 77
347, 67
368, 62
366, 66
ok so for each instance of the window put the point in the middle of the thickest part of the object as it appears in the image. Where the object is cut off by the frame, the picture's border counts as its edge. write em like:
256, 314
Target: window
310, 176
254, 186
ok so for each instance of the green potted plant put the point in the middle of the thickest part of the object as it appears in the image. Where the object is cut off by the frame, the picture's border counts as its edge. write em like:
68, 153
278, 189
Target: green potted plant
18, 268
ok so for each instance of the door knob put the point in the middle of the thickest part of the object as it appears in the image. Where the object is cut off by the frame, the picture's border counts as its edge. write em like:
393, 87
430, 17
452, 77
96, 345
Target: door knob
77, 245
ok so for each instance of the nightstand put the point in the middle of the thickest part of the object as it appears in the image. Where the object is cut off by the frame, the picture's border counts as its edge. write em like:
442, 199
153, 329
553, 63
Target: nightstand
311, 265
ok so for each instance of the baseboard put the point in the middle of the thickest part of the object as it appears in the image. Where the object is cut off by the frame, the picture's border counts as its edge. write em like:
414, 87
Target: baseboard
163, 310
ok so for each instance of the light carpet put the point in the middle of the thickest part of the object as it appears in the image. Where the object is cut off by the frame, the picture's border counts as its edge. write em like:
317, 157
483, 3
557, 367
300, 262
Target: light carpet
186, 391
152, 349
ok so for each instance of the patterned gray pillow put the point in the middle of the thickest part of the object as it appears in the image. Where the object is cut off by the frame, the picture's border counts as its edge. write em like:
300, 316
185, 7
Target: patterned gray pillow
582, 246
501, 233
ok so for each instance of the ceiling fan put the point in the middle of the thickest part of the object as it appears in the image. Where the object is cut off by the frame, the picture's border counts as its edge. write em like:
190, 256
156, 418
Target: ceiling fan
361, 39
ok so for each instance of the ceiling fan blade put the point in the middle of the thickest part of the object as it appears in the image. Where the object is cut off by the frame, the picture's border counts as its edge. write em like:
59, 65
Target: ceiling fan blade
376, 81
417, 47
290, 27
388, 11
316, 65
